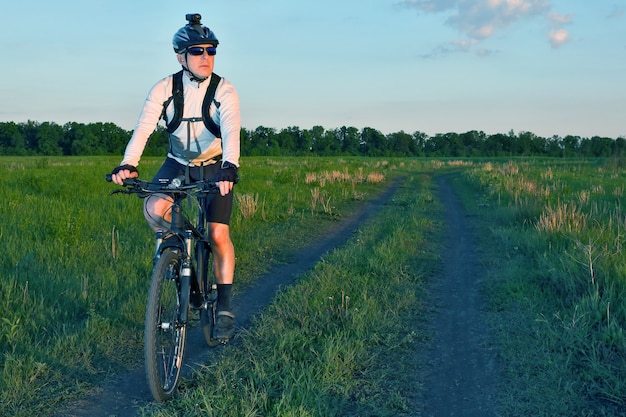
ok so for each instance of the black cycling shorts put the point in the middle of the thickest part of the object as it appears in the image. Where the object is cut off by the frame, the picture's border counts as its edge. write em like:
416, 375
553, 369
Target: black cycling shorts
219, 208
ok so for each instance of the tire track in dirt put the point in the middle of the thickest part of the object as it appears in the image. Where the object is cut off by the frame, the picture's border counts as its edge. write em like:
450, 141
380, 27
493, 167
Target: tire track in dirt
125, 394
463, 377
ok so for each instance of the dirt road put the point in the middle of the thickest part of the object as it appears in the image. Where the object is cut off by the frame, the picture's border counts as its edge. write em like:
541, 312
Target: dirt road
463, 377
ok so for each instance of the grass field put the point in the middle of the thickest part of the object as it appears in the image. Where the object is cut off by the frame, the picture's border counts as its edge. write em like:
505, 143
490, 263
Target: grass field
559, 228
76, 261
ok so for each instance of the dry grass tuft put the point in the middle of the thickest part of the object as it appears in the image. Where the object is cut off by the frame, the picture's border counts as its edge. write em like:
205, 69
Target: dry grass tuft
248, 204
565, 217
375, 177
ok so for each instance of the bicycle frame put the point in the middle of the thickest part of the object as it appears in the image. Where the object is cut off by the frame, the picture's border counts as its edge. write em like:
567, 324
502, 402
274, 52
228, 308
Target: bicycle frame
188, 234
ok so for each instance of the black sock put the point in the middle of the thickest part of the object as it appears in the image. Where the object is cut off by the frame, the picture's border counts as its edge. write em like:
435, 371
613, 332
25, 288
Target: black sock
223, 297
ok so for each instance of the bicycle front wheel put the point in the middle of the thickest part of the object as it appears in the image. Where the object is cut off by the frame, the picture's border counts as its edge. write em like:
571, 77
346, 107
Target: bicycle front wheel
165, 332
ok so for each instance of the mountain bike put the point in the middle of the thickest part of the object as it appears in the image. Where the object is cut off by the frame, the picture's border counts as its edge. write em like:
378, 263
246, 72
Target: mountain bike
180, 280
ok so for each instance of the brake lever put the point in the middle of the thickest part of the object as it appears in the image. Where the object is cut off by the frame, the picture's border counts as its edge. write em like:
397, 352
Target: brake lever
118, 191
210, 187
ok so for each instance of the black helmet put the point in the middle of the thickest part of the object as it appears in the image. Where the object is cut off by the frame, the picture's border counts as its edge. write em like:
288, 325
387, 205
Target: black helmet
193, 33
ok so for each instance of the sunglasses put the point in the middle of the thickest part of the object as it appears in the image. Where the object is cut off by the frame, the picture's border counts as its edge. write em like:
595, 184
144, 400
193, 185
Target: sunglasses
199, 50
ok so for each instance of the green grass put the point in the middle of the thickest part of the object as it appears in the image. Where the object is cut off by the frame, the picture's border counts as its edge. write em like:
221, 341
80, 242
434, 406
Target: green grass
73, 283
554, 236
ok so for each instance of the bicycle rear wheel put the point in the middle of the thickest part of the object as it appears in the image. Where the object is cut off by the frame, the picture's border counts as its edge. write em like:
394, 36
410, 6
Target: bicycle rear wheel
165, 332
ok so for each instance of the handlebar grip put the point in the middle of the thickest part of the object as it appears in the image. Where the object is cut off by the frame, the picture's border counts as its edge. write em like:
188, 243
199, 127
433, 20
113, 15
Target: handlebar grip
127, 181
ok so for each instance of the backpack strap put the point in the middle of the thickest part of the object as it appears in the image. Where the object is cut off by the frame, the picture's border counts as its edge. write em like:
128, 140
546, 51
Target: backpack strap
213, 127
179, 102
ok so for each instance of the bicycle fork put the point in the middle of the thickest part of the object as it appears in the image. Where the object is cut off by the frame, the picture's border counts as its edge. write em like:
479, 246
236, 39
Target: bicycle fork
185, 279
186, 273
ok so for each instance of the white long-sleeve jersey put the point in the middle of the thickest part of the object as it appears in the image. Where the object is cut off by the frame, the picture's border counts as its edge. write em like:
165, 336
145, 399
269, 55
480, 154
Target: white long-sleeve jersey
200, 146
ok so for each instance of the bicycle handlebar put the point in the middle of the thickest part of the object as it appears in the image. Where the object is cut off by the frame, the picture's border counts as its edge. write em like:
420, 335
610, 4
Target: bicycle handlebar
176, 186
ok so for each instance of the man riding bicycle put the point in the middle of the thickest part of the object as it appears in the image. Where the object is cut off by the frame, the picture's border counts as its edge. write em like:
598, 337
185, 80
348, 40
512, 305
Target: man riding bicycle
202, 114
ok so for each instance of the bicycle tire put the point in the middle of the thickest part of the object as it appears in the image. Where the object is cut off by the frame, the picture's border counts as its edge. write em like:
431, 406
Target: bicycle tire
165, 333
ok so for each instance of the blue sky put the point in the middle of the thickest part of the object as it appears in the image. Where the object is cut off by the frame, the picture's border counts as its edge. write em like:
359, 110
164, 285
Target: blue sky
550, 67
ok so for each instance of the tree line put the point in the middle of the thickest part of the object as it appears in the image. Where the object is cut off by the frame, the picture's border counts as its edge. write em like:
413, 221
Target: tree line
78, 139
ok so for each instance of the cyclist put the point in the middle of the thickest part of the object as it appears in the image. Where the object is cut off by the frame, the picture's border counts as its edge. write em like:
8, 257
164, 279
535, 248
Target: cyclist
195, 150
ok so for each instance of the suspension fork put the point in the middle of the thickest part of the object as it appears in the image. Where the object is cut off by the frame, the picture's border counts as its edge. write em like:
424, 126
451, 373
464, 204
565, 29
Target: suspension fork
185, 278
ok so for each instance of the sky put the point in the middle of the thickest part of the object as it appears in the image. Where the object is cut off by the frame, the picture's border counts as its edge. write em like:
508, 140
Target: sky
550, 67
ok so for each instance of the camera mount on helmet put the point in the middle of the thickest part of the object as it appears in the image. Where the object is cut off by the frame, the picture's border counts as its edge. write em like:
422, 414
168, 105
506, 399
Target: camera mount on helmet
193, 18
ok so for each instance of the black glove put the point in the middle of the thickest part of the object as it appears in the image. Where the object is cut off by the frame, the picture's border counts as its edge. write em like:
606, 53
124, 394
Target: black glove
228, 172
123, 167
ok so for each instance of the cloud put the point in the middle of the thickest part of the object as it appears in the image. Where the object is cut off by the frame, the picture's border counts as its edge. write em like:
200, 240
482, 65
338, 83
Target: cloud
459, 46
479, 20
482, 19
558, 37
